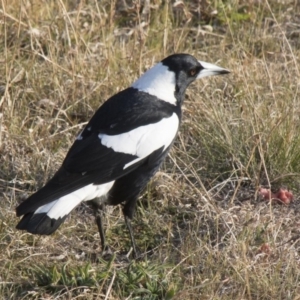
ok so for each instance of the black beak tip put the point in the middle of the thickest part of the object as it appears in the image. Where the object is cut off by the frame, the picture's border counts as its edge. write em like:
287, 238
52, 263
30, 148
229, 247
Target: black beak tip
223, 72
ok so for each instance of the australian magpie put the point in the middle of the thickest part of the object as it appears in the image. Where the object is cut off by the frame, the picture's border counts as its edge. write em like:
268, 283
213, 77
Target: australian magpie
119, 150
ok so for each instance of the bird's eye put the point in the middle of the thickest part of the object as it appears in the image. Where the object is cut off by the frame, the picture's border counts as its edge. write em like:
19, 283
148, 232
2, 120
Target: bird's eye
192, 72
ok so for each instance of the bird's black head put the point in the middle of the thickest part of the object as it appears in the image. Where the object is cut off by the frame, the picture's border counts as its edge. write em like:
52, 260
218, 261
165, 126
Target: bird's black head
169, 79
186, 69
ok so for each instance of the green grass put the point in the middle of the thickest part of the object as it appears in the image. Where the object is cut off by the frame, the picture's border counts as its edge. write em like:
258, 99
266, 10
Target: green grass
201, 226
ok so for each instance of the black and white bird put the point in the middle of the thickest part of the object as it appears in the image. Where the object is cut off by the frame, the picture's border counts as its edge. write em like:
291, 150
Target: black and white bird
119, 150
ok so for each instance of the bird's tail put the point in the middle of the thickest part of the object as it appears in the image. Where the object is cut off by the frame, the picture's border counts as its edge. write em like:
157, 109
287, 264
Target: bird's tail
46, 218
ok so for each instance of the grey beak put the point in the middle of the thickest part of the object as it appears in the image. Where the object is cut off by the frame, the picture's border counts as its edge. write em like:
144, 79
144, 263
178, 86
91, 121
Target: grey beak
210, 70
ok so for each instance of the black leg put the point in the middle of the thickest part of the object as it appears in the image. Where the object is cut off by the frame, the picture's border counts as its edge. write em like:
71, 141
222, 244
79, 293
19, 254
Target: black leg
99, 217
128, 224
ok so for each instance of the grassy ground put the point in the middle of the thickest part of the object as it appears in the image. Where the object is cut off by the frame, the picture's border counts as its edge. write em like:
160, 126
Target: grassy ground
203, 228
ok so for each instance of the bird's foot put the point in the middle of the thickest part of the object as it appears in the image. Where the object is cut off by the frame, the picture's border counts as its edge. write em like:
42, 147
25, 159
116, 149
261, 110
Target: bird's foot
135, 253
107, 252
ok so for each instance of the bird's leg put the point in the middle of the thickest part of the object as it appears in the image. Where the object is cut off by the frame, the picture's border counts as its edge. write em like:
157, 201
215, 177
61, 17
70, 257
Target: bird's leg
128, 224
99, 220
99, 209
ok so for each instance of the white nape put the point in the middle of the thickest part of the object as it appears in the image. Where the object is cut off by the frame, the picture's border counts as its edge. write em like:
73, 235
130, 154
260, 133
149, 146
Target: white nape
64, 205
158, 81
143, 140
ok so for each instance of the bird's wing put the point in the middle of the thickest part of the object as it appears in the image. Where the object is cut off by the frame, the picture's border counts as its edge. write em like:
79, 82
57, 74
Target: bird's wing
124, 131
119, 138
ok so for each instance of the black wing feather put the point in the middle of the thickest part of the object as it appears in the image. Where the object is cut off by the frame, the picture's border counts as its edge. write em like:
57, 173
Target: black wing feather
123, 112
88, 161
66, 181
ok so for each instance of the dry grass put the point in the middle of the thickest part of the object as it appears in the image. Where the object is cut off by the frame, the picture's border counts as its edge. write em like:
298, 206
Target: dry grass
205, 231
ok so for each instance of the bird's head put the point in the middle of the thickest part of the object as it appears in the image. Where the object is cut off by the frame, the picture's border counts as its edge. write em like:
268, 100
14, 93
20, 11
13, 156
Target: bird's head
169, 79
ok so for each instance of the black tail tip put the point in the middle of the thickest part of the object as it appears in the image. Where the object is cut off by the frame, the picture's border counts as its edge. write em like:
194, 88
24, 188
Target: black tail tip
39, 223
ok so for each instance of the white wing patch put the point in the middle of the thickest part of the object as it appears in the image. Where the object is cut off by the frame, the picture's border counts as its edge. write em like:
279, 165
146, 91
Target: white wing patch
159, 81
143, 140
79, 137
64, 205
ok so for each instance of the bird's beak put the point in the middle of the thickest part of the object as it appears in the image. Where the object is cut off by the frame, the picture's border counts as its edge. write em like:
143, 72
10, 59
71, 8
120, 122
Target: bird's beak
210, 69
